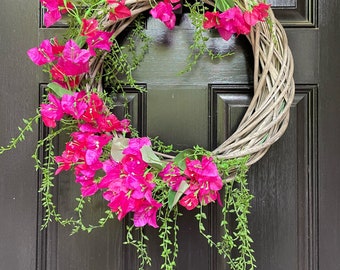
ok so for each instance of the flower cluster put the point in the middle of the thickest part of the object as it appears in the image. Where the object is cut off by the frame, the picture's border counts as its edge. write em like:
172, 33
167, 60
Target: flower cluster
68, 62
129, 182
164, 12
129, 185
55, 8
234, 21
95, 125
204, 181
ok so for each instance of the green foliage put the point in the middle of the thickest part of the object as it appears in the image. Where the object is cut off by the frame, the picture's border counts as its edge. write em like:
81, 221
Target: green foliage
159, 146
140, 244
124, 59
21, 136
168, 233
223, 5
58, 90
199, 46
236, 206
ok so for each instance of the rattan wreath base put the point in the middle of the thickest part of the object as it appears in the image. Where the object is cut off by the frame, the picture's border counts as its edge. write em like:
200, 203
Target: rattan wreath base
267, 116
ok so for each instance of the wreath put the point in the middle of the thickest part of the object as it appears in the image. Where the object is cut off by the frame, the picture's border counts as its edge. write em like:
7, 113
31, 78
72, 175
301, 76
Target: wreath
141, 178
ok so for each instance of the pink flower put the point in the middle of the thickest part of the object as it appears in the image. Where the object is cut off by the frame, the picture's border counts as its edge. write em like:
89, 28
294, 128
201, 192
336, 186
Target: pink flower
113, 171
55, 8
51, 17
89, 190
205, 183
232, 21
133, 164
51, 112
124, 126
100, 40
94, 145
261, 10
172, 175
189, 201
119, 10
94, 109
72, 153
258, 13
89, 27
85, 177
62, 79
84, 151
56, 47
110, 123
135, 144
74, 105
43, 54
164, 12
74, 61
99, 119
64, 164
211, 19
146, 213
121, 204
130, 186
140, 186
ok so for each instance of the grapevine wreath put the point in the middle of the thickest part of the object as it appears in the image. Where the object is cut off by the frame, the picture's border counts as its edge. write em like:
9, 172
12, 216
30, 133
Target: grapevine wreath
139, 177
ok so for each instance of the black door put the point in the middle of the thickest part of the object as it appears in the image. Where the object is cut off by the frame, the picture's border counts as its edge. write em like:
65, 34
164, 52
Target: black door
295, 217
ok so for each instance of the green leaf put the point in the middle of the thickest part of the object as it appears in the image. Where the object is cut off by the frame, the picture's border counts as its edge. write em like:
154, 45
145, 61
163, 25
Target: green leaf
223, 5
171, 198
179, 160
174, 197
80, 40
117, 147
58, 90
149, 156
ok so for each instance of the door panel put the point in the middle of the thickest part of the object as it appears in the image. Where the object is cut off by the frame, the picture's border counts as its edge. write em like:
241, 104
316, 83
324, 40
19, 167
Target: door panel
295, 213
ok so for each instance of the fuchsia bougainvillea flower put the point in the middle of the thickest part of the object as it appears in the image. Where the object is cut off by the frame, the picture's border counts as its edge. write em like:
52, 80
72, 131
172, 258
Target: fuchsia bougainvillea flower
258, 13
118, 10
129, 186
204, 183
52, 111
234, 21
89, 27
84, 151
55, 9
164, 12
43, 54
74, 60
74, 104
100, 40
94, 37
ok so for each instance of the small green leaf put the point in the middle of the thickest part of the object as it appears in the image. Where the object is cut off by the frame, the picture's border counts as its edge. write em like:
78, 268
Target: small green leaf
58, 90
179, 160
149, 156
174, 197
80, 40
171, 198
223, 5
117, 147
